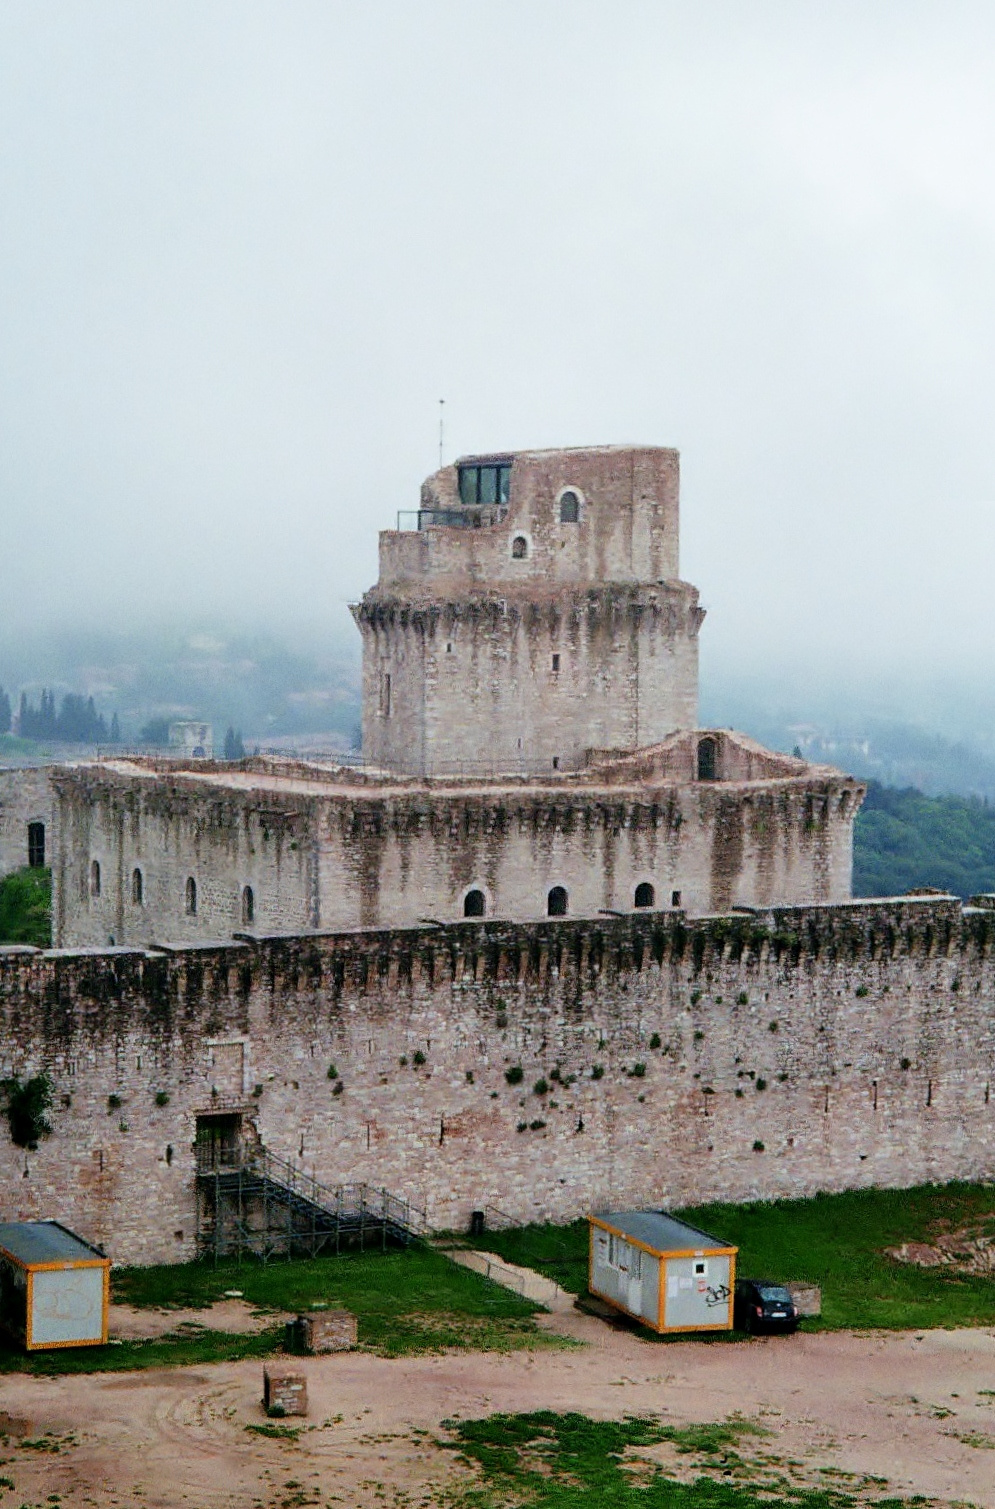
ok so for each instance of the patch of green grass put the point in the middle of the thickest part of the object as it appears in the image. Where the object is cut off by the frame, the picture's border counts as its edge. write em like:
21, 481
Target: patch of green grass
836, 1241
410, 1300
26, 907
183, 1347
276, 1432
550, 1461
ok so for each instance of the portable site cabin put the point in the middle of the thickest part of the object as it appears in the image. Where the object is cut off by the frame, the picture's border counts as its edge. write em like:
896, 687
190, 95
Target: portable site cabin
667, 1274
54, 1287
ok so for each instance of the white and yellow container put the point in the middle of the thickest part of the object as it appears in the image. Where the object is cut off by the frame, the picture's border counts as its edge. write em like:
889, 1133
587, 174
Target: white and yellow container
668, 1275
54, 1287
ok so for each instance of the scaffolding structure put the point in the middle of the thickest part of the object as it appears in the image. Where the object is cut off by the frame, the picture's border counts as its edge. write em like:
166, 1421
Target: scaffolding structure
252, 1203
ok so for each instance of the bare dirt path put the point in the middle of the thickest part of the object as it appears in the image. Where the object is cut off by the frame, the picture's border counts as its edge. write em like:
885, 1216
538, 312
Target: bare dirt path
903, 1406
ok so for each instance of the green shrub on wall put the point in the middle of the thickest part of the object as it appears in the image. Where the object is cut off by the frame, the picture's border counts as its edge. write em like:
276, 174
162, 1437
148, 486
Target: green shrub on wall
24, 1105
26, 908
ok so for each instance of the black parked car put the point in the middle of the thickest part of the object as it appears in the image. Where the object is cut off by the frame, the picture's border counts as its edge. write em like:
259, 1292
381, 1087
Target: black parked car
762, 1306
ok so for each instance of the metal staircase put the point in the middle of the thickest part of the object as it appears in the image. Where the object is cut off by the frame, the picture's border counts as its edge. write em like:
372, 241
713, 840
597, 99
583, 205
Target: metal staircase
251, 1203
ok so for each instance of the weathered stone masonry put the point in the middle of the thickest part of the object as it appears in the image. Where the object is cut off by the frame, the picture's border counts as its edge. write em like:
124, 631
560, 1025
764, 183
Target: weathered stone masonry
855, 1043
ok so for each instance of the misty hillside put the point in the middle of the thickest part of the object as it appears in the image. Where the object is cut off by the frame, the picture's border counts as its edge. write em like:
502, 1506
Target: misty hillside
903, 839
259, 682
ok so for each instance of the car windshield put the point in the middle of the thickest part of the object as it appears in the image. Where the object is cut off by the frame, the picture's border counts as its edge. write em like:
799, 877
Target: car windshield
774, 1294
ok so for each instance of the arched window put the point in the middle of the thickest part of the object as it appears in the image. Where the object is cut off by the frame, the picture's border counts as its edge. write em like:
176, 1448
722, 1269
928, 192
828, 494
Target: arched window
95, 877
519, 548
191, 897
474, 904
137, 888
706, 759
645, 894
556, 902
248, 906
36, 845
569, 507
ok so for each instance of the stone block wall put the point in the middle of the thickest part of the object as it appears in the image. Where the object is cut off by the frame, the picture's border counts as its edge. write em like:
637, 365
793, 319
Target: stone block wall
25, 797
544, 1068
320, 855
516, 684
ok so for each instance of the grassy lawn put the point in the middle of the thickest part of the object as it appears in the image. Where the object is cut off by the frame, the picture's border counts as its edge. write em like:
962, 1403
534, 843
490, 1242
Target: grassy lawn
832, 1240
186, 1346
407, 1301
551, 1461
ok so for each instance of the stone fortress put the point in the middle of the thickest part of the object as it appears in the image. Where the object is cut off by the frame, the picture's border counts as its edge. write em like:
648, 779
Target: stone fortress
550, 945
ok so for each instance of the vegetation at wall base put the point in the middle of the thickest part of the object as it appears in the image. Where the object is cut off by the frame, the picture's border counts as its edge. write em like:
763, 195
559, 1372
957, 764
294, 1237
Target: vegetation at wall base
837, 1241
552, 1461
26, 907
903, 839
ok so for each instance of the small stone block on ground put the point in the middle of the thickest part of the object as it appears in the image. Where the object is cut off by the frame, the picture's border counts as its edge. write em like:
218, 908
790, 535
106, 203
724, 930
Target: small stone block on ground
284, 1393
322, 1331
807, 1298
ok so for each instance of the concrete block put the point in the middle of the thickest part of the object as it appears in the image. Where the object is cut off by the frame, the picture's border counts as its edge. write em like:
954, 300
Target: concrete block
284, 1393
807, 1298
322, 1331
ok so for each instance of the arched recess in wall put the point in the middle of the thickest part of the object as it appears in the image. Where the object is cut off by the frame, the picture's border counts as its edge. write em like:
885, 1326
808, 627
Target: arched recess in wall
248, 906
645, 894
474, 904
519, 548
707, 751
569, 506
556, 902
95, 877
190, 899
137, 888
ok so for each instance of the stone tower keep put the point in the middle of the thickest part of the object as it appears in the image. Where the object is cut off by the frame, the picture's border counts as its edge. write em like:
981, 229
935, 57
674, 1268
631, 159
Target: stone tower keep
534, 613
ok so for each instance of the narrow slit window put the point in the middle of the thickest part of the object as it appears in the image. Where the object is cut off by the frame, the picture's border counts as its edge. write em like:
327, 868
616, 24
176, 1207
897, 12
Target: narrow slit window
556, 664
191, 897
248, 906
675, 898
95, 877
385, 693
36, 845
137, 888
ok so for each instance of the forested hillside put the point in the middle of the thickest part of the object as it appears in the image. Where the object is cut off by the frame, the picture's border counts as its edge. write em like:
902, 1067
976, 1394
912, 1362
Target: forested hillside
903, 839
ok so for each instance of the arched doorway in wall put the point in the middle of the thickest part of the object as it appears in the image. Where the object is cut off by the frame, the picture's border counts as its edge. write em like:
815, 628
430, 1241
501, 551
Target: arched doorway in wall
474, 904
707, 759
556, 902
645, 894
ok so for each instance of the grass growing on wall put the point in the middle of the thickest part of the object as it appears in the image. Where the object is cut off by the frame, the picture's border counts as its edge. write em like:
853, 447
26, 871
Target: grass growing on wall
26, 907
836, 1241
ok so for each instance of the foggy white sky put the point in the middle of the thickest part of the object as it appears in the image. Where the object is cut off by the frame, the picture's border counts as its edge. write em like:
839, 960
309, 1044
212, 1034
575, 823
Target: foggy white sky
245, 248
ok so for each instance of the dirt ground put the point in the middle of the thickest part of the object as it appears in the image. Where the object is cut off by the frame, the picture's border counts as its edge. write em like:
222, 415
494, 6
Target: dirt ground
916, 1408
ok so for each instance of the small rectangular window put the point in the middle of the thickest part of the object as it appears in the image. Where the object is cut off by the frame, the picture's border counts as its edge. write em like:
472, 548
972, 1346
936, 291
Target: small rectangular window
675, 898
556, 662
